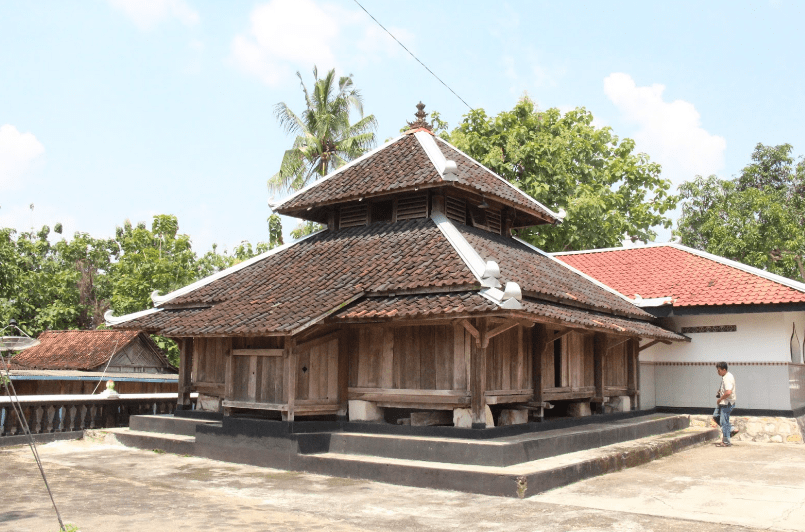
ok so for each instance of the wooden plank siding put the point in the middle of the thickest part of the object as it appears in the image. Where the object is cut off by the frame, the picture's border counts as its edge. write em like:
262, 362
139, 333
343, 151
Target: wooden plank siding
424, 357
508, 367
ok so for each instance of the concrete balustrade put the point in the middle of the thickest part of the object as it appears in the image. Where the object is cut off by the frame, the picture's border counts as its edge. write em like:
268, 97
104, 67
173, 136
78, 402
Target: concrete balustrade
47, 414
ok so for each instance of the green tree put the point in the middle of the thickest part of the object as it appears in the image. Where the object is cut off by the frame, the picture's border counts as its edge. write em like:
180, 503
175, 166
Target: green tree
757, 218
53, 286
565, 162
325, 139
157, 259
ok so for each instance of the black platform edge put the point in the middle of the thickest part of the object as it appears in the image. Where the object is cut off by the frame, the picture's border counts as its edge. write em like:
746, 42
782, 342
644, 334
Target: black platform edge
701, 411
22, 439
256, 428
199, 414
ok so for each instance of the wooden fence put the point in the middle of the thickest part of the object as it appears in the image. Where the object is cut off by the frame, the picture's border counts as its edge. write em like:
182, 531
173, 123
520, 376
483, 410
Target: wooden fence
67, 413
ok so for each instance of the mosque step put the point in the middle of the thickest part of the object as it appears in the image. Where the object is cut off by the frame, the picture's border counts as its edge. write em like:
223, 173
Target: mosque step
520, 480
505, 451
168, 424
169, 443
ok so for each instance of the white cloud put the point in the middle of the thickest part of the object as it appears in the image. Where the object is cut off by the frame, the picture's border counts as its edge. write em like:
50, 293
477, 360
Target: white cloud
19, 152
146, 14
670, 132
286, 36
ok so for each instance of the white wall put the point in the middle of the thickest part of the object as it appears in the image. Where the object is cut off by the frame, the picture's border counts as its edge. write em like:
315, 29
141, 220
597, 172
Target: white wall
761, 337
758, 354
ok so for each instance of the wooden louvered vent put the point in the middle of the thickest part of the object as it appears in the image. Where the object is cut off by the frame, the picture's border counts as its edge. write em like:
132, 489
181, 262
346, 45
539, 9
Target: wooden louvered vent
493, 220
412, 207
353, 216
456, 209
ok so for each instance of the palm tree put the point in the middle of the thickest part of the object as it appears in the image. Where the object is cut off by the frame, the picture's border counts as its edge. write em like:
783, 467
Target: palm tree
325, 139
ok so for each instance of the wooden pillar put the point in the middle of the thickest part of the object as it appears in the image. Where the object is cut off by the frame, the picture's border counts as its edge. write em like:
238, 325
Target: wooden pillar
539, 343
632, 372
599, 352
478, 377
343, 374
185, 373
290, 367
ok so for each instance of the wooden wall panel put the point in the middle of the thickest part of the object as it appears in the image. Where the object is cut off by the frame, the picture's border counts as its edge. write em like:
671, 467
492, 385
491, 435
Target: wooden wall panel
406, 348
427, 357
615, 366
209, 359
317, 373
509, 361
576, 359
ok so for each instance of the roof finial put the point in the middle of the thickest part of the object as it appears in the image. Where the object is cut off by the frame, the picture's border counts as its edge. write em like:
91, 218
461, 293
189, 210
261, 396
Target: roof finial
420, 122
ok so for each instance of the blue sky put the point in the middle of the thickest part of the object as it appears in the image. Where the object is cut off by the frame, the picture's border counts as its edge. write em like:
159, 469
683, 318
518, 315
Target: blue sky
122, 109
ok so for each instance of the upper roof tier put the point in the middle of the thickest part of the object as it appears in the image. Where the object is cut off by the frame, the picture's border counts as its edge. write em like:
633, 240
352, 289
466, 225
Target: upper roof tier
415, 161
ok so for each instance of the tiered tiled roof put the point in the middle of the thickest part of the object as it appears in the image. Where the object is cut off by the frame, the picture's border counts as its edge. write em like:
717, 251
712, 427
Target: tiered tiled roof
691, 277
333, 273
288, 291
405, 165
81, 350
472, 303
542, 276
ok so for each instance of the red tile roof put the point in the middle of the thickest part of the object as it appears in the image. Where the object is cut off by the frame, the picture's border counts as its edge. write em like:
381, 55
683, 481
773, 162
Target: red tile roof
691, 277
82, 350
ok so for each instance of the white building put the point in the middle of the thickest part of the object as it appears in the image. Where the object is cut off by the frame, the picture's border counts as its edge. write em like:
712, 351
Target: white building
749, 318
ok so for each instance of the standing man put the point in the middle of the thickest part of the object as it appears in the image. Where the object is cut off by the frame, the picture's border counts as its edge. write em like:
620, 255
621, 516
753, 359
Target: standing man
725, 402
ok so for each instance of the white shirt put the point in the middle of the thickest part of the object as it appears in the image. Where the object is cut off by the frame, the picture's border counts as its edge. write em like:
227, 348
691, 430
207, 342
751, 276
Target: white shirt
727, 383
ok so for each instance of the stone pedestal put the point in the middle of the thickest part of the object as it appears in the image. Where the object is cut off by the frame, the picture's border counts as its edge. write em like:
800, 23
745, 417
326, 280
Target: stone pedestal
462, 417
512, 417
364, 411
578, 409
430, 419
208, 403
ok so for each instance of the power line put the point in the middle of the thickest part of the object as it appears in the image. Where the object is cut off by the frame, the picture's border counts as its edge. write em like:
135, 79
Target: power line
415, 57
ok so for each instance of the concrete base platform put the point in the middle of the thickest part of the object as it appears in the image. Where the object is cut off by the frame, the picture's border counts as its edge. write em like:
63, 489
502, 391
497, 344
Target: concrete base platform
512, 466
169, 424
22, 439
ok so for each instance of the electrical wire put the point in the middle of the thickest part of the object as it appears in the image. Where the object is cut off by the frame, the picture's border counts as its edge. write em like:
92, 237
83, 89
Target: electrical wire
114, 350
9, 385
415, 57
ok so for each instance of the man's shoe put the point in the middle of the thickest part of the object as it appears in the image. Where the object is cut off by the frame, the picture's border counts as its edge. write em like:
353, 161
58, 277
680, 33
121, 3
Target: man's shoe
733, 432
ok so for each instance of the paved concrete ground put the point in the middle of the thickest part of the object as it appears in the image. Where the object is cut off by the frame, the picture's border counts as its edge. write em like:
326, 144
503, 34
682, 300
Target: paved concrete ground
104, 486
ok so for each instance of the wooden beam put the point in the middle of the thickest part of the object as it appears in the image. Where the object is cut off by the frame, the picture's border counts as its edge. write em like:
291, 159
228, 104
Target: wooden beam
650, 344
289, 366
478, 381
552, 337
257, 352
539, 341
599, 352
500, 329
613, 345
632, 369
472, 330
185, 373
313, 342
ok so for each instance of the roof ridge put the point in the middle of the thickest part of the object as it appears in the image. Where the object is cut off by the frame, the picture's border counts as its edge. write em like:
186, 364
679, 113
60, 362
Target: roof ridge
529, 198
785, 281
579, 272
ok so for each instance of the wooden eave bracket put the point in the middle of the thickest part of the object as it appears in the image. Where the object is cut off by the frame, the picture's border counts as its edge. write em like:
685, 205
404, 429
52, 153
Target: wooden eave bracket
482, 340
652, 343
